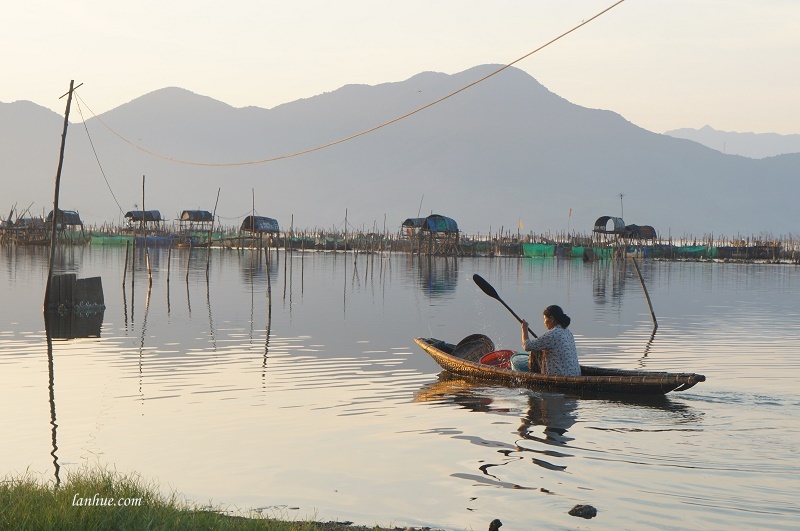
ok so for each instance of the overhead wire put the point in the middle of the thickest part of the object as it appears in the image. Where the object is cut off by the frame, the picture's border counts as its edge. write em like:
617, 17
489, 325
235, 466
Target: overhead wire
366, 131
97, 158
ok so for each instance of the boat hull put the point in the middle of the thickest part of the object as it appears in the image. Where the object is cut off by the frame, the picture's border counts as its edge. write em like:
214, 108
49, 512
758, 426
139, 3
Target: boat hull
592, 379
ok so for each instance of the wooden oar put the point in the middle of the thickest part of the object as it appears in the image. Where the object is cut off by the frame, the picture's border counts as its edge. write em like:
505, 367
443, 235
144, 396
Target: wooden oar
490, 291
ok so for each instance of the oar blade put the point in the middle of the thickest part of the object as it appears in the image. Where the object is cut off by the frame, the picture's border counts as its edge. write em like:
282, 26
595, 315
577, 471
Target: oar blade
485, 286
490, 291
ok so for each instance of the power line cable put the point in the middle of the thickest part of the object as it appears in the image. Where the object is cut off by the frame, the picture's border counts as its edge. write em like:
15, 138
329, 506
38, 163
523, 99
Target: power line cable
96, 157
367, 131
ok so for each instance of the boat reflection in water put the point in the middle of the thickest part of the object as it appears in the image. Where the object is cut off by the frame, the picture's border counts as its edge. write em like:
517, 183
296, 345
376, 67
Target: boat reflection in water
545, 418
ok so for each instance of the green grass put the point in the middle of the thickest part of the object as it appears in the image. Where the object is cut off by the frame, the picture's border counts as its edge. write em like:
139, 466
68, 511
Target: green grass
88, 500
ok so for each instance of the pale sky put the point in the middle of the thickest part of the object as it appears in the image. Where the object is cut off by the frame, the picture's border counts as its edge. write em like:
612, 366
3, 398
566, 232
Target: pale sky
662, 64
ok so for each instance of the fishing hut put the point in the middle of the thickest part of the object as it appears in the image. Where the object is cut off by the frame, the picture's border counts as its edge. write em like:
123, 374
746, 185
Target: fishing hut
69, 226
27, 231
257, 227
194, 227
607, 238
641, 237
434, 235
147, 218
612, 237
152, 227
412, 226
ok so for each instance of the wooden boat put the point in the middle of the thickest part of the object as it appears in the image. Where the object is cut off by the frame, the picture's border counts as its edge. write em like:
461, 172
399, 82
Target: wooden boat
591, 380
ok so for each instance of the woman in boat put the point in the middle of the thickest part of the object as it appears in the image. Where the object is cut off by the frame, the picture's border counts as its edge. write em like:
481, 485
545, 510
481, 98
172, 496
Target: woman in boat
554, 353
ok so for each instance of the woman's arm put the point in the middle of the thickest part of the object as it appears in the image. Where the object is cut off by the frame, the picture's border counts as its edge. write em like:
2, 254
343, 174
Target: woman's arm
524, 324
545, 341
533, 359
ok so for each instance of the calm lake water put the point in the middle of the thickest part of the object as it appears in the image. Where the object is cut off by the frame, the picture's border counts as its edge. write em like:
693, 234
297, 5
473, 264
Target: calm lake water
305, 397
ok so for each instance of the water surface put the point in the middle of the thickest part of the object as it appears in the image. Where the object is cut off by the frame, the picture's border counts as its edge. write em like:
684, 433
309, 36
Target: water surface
302, 394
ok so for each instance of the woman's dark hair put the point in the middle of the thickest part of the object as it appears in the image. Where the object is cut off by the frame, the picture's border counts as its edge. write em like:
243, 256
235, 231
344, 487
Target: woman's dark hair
558, 314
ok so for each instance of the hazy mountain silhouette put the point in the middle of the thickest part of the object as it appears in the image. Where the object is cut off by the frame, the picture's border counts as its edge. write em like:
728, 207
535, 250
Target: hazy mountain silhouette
753, 145
504, 150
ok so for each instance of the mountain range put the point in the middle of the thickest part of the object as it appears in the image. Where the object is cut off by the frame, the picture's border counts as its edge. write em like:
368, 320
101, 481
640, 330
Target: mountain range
503, 153
753, 145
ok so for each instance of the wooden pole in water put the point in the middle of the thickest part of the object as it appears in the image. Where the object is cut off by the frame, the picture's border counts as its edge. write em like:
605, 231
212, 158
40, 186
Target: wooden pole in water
269, 281
144, 234
188, 261
646, 295
55, 195
133, 264
210, 233
125, 269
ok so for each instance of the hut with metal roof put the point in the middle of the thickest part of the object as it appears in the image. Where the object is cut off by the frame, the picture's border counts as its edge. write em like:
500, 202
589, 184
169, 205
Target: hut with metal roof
613, 234
441, 224
435, 234
413, 223
148, 216
65, 218
257, 227
601, 226
259, 224
68, 225
412, 226
193, 220
640, 232
194, 227
196, 216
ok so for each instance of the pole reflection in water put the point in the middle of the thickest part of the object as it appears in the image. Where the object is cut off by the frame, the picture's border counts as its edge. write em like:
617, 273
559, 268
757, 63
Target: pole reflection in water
266, 342
51, 386
269, 321
125, 306
169, 261
66, 325
647, 347
188, 299
141, 342
210, 318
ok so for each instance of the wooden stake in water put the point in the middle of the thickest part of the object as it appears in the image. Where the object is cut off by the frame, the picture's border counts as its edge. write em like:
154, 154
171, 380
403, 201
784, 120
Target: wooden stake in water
188, 261
144, 234
210, 234
647, 295
55, 196
125, 269
169, 261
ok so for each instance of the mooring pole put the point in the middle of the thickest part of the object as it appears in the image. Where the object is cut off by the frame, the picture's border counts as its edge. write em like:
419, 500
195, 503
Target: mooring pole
646, 295
55, 197
211, 234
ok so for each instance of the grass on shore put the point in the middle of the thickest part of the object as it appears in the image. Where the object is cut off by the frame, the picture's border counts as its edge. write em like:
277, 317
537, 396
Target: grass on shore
100, 499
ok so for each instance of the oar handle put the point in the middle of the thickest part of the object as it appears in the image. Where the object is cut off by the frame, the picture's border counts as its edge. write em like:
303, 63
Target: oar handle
531, 332
490, 291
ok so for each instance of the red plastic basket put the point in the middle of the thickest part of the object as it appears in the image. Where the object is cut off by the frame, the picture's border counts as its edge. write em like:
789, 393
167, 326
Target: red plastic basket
499, 358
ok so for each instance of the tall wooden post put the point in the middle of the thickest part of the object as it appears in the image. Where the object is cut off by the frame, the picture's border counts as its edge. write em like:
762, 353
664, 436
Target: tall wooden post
211, 233
55, 196
144, 235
